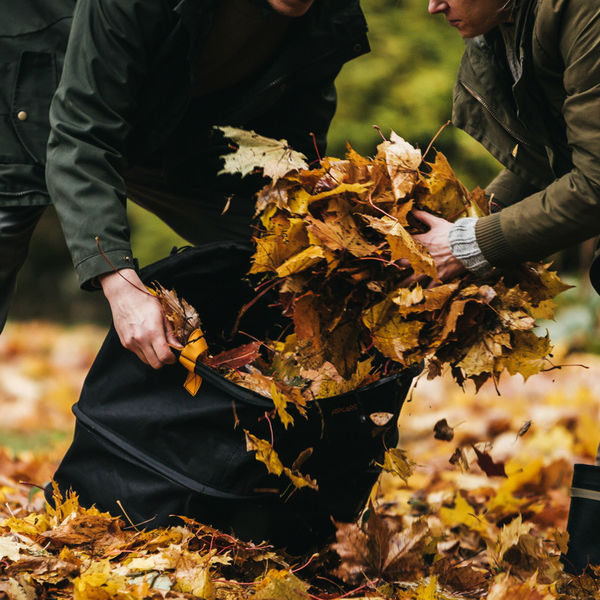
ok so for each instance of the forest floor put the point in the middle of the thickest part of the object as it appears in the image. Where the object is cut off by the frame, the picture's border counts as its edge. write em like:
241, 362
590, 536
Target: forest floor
482, 515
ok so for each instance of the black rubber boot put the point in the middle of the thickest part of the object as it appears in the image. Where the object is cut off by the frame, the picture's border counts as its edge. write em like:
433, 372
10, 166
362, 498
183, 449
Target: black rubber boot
584, 520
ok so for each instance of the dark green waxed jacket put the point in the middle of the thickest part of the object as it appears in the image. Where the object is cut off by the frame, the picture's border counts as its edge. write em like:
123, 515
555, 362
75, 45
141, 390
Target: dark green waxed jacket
125, 90
33, 38
545, 128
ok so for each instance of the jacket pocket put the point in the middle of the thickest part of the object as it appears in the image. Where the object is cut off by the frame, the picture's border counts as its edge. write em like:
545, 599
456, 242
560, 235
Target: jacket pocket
35, 82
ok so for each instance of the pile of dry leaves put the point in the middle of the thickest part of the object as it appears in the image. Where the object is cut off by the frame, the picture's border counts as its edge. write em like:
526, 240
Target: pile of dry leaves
339, 247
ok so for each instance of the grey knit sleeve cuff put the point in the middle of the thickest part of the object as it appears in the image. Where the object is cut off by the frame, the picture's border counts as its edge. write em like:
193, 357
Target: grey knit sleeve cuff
465, 248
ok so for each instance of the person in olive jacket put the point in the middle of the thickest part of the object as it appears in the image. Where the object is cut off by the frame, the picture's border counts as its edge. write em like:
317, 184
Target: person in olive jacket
143, 84
528, 89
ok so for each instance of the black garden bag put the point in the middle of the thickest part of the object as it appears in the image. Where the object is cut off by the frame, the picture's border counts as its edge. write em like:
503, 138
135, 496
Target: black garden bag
144, 446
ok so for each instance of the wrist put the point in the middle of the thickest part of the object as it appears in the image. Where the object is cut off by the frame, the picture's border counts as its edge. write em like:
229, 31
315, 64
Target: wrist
464, 246
116, 281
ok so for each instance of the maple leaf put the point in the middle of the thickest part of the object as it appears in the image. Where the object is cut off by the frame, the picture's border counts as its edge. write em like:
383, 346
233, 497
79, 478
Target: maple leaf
528, 354
338, 231
445, 195
274, 157
280, 585
182, 316
402, 161
280, 403
403, 246
301, 261
397, 463
289, 238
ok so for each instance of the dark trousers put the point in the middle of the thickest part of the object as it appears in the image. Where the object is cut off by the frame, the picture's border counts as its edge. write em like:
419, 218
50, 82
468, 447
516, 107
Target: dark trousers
16, 228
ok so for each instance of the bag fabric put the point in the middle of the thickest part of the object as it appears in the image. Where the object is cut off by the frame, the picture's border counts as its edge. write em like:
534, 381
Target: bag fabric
142, 440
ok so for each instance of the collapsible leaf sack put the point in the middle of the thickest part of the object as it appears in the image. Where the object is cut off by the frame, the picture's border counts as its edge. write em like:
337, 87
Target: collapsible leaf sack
145, 447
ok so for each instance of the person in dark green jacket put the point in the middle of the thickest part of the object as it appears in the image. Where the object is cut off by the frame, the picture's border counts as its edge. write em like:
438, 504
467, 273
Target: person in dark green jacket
528, 89
142, 86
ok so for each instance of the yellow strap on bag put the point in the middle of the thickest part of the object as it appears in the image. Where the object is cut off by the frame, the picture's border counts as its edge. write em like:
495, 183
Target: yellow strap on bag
195, 347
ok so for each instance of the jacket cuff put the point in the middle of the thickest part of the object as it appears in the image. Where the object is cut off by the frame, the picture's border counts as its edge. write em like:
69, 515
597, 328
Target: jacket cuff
491, 240
89, 269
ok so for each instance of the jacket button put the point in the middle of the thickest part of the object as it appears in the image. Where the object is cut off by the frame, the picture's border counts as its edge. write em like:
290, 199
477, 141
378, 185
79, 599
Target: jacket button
22, 115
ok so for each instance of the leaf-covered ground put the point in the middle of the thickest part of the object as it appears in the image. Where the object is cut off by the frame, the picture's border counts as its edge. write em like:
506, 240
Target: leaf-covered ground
488, 524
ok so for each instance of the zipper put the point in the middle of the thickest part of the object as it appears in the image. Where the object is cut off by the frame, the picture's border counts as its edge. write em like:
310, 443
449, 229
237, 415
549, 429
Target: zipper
26, 193
489, 109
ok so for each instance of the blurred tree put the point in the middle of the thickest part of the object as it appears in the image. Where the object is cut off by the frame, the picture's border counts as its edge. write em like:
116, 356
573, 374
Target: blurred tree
406, 84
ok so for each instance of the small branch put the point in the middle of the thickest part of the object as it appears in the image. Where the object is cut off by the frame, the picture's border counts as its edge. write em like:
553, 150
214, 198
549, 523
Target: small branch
435, 137
115, 270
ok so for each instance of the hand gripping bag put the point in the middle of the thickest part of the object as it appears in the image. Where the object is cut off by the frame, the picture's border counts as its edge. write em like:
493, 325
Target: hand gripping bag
144, 446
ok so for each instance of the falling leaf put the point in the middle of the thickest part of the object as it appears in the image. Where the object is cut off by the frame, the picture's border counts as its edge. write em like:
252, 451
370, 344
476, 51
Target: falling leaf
487, 464
266, 454
443, 431
397, 463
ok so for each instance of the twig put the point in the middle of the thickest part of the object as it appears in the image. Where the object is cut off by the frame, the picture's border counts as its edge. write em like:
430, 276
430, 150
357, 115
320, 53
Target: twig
435, 137
115, 270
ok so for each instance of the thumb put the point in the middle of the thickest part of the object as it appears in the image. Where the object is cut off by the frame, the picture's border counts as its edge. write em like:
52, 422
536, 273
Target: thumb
170, 335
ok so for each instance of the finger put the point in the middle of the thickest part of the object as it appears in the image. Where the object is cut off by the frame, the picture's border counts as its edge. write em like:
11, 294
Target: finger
412, 279
152, 357
161, 350
170, 335
424, 217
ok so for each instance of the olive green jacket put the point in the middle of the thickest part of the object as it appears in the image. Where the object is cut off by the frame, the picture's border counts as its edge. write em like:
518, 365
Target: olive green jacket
33, 38
545, 128
126, 89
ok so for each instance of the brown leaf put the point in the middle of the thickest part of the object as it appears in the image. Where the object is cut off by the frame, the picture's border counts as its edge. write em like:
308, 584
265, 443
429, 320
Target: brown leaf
445, 195
235, 358
443, 431
488, 466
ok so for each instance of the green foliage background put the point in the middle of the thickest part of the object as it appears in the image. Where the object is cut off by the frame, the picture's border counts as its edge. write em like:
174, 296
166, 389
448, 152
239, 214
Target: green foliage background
404, 84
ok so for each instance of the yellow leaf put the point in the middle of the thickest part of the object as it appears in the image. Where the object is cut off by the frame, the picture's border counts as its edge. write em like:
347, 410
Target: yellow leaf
265, 453
280, 585
280, 403
463, 514
299, 262
427, 591
528, 355
446, 195
397, 463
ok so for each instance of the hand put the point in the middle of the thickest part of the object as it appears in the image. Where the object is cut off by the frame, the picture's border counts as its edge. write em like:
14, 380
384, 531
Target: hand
138, 318
437, 243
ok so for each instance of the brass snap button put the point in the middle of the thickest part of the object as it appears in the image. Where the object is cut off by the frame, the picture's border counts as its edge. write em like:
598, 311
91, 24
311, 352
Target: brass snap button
22, 115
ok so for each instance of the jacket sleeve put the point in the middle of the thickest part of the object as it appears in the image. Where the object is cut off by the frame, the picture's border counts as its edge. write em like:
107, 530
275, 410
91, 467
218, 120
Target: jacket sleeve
108, 55
506, 189
568, 210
